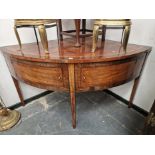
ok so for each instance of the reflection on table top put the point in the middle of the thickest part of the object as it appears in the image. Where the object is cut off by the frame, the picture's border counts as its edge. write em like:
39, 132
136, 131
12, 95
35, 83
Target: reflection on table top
65, 52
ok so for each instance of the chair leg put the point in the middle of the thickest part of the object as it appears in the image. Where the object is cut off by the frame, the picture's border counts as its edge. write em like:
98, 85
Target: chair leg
126, 37
17, 36
36, 35
57, 29
59, 25
95, 37
83, 26
77, 27
103, 32
43, 37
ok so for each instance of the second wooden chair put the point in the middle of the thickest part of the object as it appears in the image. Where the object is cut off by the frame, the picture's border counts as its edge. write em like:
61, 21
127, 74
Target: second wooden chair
124, 24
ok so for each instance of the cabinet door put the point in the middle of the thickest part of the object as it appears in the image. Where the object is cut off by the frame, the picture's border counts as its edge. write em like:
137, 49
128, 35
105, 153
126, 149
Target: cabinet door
108, 74
40, 74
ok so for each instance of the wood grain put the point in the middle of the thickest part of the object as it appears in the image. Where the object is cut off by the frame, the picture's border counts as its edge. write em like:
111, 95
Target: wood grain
73, 70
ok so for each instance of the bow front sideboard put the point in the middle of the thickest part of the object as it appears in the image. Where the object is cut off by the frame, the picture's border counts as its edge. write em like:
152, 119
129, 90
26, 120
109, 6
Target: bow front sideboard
71, 69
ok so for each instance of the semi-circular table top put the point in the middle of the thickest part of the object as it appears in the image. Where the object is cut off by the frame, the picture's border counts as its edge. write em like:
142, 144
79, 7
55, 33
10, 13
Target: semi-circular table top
65, 52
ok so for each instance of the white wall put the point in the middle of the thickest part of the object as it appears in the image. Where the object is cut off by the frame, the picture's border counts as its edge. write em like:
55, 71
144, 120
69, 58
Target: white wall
143, 32
7, 37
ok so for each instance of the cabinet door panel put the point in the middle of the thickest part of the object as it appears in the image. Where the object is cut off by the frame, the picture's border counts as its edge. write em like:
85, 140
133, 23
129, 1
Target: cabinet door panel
109, 74
43, 75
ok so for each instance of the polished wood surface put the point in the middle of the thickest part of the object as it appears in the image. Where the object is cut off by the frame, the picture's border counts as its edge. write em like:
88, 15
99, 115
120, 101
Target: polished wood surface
65, 52
71, 69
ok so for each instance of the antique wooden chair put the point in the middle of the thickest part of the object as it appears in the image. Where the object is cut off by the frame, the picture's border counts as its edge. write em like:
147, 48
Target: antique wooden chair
75, 33
124, 24
41, 24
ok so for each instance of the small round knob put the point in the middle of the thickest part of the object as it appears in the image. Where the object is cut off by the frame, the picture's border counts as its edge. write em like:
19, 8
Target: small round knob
84, 77
59, 78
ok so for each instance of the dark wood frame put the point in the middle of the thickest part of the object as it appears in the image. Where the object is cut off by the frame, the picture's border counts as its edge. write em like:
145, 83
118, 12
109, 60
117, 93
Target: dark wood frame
77, 31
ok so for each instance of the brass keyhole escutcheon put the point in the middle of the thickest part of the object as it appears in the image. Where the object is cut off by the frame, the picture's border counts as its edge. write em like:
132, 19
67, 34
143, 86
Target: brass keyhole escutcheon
60, 78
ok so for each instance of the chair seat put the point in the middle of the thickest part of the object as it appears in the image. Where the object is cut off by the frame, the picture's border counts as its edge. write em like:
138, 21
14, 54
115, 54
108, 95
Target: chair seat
34, 21
113, 22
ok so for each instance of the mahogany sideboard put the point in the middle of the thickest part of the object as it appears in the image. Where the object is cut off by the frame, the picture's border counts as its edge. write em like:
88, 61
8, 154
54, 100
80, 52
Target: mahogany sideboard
72, 69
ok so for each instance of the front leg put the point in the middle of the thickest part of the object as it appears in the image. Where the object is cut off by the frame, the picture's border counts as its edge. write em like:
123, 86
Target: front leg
17, 36
126, 36
136, 82
19, 91
95, 37
43, 38
72, 93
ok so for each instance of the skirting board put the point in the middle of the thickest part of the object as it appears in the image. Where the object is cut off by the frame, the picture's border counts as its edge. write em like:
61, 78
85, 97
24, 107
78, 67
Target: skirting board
138, 109
17, 105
